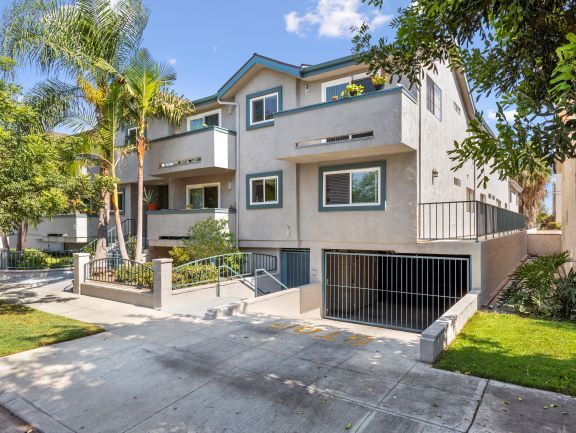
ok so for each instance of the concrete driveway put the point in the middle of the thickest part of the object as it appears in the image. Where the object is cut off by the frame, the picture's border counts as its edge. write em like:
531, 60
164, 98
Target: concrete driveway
157, 372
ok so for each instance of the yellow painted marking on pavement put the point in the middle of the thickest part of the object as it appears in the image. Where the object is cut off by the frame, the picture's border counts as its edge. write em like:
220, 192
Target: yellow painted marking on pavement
329, 337
281, 326
357, 340
306, 330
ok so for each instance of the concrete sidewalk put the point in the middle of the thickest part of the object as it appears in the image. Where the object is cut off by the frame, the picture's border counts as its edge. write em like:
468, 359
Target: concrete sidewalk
157, 372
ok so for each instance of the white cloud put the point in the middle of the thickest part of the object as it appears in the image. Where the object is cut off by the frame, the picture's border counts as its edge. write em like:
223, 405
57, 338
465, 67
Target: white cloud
509, 114
333, 18
172, 61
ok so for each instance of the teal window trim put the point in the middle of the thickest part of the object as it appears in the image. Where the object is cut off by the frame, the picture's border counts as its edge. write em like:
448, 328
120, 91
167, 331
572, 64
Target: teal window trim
249, 107
344, 208
249, 177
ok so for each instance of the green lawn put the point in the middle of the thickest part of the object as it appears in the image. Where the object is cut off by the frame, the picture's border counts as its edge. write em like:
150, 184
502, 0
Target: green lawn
23, 328
510, 348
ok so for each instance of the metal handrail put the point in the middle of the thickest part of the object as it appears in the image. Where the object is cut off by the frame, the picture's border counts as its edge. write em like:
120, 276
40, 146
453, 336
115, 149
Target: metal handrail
239, 276
270, 275
111, 236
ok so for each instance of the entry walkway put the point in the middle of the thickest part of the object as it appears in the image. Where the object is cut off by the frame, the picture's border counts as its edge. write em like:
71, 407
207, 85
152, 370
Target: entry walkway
158, 372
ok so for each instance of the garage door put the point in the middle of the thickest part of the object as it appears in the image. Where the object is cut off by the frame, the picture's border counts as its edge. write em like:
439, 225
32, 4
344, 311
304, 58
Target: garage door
406, 292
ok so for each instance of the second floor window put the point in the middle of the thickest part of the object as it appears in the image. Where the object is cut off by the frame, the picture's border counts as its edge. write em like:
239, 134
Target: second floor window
203, 196
131, 135
204, 120
263, 108
433, 98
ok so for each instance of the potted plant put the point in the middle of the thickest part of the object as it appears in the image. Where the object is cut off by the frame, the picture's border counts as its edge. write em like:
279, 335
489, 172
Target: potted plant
335, 97
379, 81
149, 199
353, 90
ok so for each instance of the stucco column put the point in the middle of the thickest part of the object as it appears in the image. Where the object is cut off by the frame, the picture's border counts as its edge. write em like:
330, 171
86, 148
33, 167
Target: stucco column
80, 261
162, 281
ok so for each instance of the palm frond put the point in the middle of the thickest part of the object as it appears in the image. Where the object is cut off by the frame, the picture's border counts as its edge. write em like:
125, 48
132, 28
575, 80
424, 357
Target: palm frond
172, 107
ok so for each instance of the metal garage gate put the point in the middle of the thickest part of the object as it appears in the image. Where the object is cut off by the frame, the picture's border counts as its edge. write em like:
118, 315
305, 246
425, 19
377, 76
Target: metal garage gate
406, 292
295, 267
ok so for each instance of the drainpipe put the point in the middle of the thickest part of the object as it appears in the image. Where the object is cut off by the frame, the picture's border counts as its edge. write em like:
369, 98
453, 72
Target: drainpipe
237, 159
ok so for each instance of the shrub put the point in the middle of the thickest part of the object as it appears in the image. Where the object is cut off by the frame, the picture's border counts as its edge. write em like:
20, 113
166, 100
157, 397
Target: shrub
209, 238
553, 225
194, 275
136, 275
131, 247
544, 288
179, 256
33, 258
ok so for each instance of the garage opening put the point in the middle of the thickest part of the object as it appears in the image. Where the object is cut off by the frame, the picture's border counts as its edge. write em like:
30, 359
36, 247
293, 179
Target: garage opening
407, 292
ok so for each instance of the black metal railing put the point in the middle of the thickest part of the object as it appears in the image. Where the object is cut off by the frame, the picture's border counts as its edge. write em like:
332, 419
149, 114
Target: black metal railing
466, 220
218, 268
31, 259
120, 271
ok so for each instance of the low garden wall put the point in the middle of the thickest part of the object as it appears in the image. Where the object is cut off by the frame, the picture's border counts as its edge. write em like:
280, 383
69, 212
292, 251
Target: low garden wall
544, 242
444, 330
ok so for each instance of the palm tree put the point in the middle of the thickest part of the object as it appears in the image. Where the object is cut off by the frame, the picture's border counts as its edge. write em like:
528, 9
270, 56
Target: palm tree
146, 85
68, 38
533, 184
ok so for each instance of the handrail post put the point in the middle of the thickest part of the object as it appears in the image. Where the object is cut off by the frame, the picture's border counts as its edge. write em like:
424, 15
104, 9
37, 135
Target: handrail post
218, 286
255, 283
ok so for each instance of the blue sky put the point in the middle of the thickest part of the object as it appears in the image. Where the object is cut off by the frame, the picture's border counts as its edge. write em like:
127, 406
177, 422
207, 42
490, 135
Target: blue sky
208, 41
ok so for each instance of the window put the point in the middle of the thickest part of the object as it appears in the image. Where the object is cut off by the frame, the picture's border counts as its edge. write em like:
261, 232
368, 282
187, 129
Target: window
203, 196
131, 135
121, 199
457, 108
204, 120
352, 187
336, 87
457, 182
469, 199
498, 203
433, 98
264, 190
262, 107
483, 198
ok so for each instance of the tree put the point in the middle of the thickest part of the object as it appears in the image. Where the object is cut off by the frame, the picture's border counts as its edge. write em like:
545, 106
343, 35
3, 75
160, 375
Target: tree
533, 193
209, 238
146, 85
34, 180
68, 38
508, 48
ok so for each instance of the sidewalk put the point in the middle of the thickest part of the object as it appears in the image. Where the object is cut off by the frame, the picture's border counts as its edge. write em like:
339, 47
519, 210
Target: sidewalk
157, 372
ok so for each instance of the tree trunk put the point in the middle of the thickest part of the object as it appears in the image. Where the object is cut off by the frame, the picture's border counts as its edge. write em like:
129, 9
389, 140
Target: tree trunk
103, 219
5, 242
22, 236
118, 221
141, 146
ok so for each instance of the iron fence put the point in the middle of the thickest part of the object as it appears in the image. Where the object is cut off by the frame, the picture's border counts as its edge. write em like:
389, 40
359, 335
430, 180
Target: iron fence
120, 271
31, 259
214, 269
398, 291
466, 220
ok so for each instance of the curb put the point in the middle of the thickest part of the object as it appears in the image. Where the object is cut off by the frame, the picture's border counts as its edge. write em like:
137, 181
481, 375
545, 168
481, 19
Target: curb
31, 414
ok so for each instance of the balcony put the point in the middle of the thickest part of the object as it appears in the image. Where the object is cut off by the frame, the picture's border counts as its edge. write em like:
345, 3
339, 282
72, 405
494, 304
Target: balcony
372, 124
167, 228
205, 151
77, 228
466, 220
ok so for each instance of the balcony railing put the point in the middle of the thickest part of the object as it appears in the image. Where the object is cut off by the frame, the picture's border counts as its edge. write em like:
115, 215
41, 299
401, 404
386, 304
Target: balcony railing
466, 220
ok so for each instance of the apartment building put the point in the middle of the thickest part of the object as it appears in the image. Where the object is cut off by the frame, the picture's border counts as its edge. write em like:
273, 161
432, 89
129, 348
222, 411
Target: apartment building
356, 193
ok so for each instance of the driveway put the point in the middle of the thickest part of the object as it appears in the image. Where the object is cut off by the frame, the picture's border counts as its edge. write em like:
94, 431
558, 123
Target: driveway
158, 372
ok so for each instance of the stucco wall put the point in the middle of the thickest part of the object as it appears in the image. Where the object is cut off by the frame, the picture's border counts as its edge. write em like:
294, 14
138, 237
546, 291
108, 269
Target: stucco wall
569, 206
542, 242
500, 257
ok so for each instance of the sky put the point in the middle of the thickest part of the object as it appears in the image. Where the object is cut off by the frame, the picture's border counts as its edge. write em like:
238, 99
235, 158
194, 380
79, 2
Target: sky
208, 41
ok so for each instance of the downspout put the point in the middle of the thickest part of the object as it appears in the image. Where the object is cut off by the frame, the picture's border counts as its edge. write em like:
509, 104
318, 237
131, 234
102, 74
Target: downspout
237, 159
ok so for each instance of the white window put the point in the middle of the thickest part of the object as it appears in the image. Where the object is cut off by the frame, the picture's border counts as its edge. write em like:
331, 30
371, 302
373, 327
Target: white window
131, 135
470, 198
334, 88
206, 196
264, 190
433, 98
204, 120
359, 187
121, 199
457, 108
263, 108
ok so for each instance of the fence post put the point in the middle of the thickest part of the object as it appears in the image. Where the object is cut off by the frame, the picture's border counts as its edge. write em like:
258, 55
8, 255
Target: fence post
80, 262
162, 288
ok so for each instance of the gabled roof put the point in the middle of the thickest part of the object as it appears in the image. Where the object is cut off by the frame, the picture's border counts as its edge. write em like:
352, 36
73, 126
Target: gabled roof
258, 60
